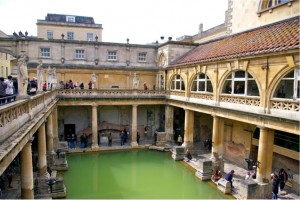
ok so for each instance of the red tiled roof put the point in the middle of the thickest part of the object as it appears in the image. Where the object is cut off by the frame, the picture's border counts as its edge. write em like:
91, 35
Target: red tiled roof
276, 37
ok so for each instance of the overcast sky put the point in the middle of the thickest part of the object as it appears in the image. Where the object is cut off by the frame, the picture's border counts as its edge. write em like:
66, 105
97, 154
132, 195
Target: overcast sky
142, 21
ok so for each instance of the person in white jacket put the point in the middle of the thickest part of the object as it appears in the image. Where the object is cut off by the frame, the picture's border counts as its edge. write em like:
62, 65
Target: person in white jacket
10, 85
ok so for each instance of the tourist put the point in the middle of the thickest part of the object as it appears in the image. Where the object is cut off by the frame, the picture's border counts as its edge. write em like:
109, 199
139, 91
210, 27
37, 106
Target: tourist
283, 177
145, 86
248, 176
15, 83
9, 176
155, 137
122, 135
138, 137
74, 141
109, 140
90, 85
49, 170
3, 87
229, 177
216, 176
61, 85
81, 85
10, 86
188, 156
179, 140
83, 141
275, 181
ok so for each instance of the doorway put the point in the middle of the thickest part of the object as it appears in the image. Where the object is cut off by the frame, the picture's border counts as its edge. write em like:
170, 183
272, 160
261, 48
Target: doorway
69, 129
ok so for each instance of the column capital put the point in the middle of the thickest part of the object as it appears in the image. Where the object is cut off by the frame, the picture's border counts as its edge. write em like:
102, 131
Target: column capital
94, 105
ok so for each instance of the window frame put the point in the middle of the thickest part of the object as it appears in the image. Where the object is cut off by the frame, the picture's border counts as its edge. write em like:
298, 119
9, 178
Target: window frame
79, 54
70, 35
112, 57
234, 82
197, 79
70, 19
50, 35
142, 57
296, 89
45, 54
265, 5
177, 80
90, 37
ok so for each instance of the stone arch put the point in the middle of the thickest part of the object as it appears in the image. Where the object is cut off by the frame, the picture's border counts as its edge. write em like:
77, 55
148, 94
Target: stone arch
8, 51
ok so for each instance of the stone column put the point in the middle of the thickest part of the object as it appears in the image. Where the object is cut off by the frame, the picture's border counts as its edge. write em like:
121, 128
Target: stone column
26, 172
134, 126
55, 128
42, 159
50, 134
265, 154
95, 145
188, 129
215, 138
169, 120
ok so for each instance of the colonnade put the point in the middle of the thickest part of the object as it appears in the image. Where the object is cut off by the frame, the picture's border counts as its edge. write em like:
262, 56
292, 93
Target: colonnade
265, 148
47, 141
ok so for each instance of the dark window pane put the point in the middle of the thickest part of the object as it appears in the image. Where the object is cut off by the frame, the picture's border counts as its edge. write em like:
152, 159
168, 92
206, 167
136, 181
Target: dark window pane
227, 87
177, 85
240, 74
239, 87
252, 89
202, 76
209, 87
194, 86
201, 86
285, 89
182, 85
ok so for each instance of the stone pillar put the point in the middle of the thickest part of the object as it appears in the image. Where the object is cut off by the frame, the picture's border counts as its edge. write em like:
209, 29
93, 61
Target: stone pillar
26, 172
55, 128
42, 159
50, 134
169, 120
265, 154
188, 129
134, 126
95, 145
215, 138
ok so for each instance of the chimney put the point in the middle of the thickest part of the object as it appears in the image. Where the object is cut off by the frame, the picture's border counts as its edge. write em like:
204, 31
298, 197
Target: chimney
200, 28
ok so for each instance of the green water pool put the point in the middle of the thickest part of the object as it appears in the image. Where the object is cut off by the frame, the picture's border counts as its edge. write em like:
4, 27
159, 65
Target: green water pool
137, 174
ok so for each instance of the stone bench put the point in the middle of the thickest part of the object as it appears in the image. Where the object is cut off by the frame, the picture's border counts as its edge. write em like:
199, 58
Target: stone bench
224, 186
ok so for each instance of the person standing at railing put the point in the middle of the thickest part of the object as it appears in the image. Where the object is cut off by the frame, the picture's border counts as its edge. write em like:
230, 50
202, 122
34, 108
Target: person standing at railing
10, 87
3, 87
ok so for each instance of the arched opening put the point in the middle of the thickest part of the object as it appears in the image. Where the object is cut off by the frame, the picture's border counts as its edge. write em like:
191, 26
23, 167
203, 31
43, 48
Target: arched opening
201, 83
240, 83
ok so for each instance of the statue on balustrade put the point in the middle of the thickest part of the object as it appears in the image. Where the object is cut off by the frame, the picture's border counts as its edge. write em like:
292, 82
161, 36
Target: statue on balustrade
22, 74
49, 77
135, 81
53, 78
39, 75
94, 80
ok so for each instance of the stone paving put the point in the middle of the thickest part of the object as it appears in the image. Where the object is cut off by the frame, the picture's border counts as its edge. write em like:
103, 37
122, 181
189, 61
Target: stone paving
15, 191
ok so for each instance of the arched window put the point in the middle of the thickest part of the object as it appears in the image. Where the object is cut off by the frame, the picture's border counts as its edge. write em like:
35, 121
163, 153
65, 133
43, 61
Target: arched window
177, 83
272, 3
240, 83
202, 83
288, 87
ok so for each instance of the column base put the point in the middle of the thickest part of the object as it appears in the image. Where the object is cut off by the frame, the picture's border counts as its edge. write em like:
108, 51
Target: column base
95, 147
134, 144
27, 193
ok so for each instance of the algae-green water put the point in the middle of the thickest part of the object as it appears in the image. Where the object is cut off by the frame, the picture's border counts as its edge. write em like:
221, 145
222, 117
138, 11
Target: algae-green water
137, 174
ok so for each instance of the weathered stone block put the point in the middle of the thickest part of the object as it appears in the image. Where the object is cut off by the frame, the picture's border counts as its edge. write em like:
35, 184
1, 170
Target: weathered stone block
224, 186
